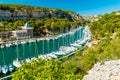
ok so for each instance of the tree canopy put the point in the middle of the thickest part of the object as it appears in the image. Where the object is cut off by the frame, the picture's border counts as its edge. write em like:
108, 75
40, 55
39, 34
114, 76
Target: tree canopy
107, 29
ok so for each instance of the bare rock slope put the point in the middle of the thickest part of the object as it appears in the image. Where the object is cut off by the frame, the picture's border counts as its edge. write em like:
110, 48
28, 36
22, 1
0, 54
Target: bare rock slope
22, 12
110, 70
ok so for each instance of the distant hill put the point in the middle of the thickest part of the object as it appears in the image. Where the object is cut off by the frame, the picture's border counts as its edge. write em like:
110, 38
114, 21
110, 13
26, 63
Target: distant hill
23, 12
91, 18
106, 26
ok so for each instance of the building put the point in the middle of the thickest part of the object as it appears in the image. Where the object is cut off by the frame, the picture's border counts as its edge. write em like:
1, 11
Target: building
20, 34
26, 32
93, 43
5, 35
27, 28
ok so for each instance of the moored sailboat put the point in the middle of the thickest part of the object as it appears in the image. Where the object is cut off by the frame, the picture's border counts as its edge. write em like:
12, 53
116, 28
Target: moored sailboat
11, 67
5, 69
16, 62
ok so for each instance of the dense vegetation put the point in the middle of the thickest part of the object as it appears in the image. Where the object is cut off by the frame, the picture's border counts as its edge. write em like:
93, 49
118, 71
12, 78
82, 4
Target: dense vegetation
52, 25
45, 21
106, 26
106, 29
50, 70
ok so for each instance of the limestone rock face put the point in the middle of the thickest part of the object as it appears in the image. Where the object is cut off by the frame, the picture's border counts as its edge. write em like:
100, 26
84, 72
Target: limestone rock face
20, 13
12, 12
5, 13
110, 70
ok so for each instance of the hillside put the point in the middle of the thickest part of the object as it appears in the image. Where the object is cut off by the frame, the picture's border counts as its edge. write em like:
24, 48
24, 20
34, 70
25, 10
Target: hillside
110, 70
107, 26
107, 30
23, 12
54, 21
91, 18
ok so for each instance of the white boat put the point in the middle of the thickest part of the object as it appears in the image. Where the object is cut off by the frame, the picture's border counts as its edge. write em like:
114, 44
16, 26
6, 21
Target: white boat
59, 53
29, 41
11, 68
2, 46
68, 50
52, 55
47, 57
53, 38
38, 39
60, 35
8, 44
15, 43
75, 45
28, 60
4, 69
16, 63
41, 56
23, 42
47, 38
56, 37
62, 53
82, 42
33, 58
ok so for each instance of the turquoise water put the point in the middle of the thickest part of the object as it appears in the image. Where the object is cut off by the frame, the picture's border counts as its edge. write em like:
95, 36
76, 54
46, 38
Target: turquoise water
9, 54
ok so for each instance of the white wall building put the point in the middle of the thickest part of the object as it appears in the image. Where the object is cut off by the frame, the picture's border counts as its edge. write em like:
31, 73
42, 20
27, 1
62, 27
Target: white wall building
26, 32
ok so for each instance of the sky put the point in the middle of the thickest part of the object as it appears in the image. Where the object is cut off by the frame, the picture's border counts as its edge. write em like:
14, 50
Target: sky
82, 7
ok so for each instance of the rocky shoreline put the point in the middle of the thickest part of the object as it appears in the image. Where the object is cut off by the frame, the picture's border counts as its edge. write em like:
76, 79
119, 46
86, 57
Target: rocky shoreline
110, 70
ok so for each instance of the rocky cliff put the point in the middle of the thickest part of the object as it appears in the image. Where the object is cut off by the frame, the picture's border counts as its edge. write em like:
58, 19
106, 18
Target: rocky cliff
110, 70
22, 12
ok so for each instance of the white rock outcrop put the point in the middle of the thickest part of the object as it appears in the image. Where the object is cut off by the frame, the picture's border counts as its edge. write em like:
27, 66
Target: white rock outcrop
19, 14
110, 70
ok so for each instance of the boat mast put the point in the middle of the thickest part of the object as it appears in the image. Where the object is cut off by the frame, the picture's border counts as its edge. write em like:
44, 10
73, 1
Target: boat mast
36, 50
17, 49
30, 48
3, 57
48, 45
53, 44
43, 46
23, 51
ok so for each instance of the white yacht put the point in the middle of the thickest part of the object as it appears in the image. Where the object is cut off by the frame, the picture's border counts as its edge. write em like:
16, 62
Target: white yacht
47, 38
15, 43
28, 60
2, 46
30, 41
33, 58
23, 42
52, 55
59, 53
4, 69
75, 45
11, 68
8, 44
47, 57
16, 63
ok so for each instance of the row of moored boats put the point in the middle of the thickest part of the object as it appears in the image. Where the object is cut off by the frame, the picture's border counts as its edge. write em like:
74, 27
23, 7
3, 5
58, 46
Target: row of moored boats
19, 42
53, 55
